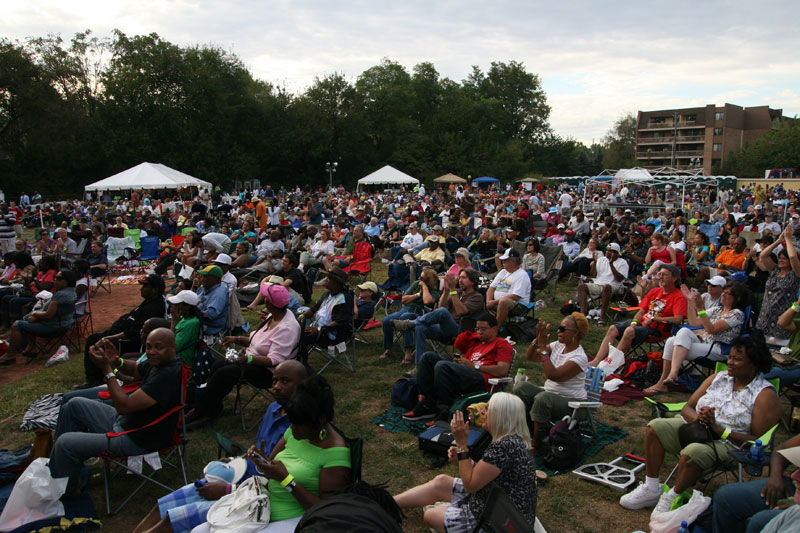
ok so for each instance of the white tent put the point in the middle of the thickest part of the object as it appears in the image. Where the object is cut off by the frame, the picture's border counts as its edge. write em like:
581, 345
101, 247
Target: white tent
147, 176
388, 176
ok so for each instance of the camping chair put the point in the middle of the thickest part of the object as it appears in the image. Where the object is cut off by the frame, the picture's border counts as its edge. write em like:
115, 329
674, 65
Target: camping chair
704, 365
82, 327
500, 515
135, 235
552, 264
338, 353
240, 404
103, 282
149, 246
461, 403
594, 387
362, 259
177, 449
539, 228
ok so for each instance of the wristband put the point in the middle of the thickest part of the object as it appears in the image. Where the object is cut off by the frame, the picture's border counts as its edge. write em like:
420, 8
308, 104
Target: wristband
725, 434
545, 359
115, 370
249, 359
795, 307
228, 488
122, 361
462, 456
453, 292
702, 313
288, 479
634, 322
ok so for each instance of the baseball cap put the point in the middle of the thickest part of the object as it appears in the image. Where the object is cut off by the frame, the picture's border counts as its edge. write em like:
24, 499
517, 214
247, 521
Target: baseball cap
277, 295
758, 206
719, 281
437, 227
250, 234
154, 280
561, 226
275, 280
510, 252
185, 297
211, 270
570, 232
791, 454
368, 286
795, 215
230, 472
614, 247
463, 252
223, 259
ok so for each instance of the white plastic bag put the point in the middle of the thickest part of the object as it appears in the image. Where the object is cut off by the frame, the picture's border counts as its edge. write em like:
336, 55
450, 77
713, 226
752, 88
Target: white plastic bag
61, 355
35, 496
613, 360
244, 510
670, 521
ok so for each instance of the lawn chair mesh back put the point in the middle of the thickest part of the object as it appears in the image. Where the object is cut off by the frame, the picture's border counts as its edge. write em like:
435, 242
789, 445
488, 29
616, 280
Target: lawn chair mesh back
705, 365
552, 264
594, 388
134, 234
149, 248
500, 515
465, 400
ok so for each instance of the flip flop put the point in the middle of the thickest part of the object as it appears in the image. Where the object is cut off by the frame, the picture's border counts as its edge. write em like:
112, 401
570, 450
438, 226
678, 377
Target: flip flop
650, 391
385, 355
406, 362
669, 382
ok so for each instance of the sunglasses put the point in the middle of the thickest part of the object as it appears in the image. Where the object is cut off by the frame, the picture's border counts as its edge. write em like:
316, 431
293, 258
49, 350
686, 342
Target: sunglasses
562, 329
59, 277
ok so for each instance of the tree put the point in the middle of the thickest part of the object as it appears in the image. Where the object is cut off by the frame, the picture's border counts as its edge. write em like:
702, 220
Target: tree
778, 148
620, 144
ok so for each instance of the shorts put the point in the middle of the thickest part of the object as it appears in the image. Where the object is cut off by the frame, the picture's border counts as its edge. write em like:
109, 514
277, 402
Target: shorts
642, 332
457, 517
518, 310
185, 507
596, 291
701, 453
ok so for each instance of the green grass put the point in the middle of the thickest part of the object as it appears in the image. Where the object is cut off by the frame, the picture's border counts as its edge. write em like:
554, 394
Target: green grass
388, 457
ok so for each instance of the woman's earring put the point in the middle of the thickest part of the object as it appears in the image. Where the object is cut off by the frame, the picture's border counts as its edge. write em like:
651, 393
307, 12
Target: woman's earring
322, 434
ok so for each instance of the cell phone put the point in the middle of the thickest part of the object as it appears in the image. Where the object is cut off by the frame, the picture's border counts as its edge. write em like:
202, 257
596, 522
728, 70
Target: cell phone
256, 453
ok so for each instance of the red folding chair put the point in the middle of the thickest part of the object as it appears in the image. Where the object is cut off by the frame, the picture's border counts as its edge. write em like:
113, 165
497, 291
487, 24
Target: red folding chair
362, 260
176, 448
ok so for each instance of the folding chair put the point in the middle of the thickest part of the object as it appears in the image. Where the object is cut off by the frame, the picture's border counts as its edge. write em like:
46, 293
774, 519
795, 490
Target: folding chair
338, 353
466, 400
552, 264
240, 404
177, 448
704, 365
149, 246
362, 259
594, 387
500, 515
135, 235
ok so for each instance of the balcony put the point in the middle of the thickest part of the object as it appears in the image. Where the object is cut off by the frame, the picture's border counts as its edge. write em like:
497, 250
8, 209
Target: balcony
668, 140
668, 125
661, 154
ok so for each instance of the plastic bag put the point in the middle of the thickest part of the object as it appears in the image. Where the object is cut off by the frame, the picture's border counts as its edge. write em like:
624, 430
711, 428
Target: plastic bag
670, 521
35, 497
61, 355
613, 360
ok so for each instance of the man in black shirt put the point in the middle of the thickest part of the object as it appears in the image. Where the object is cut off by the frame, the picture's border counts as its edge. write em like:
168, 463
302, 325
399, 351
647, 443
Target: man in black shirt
126, 328
83, 423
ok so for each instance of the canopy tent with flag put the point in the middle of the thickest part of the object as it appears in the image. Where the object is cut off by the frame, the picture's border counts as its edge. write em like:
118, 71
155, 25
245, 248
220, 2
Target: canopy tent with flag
450, 178
484, 180
387, 176
147, 176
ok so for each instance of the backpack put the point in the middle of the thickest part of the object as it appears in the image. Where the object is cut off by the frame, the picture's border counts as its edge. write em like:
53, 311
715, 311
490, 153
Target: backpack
404, 393
203, 361
523, 331
564, 447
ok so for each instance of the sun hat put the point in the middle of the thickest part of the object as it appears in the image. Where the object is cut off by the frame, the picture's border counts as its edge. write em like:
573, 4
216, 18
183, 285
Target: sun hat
277, 295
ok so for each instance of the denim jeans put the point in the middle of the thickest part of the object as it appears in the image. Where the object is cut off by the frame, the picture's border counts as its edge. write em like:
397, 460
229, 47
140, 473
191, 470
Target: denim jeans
439, 325
398, 252
36, 329
442, 381
739, 507
787, 374
81, 435
388, 330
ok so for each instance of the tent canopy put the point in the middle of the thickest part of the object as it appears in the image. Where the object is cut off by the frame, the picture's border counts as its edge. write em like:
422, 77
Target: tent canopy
485, 179
388, 176
450, 178
147, 176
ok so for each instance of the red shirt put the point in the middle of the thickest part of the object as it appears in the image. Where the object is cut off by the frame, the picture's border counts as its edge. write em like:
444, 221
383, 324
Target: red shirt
656, 304
490, 353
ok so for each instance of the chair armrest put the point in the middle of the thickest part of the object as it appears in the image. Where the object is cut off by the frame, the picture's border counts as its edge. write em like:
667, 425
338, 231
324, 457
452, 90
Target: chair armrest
588, 405
161, 418
497, 381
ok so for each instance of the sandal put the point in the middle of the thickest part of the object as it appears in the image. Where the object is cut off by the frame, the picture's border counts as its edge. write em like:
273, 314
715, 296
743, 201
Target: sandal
406, 362
651, 391
385, 355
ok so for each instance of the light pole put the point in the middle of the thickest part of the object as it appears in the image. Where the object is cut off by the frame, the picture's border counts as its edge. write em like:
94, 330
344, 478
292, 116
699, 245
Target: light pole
331, 168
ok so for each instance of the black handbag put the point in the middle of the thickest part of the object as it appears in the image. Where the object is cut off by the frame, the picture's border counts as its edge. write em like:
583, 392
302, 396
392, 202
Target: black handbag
694, 432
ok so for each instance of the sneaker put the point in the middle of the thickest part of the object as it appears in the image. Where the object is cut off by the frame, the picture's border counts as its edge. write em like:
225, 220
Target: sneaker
384, 261
420, 412
411, 373
404, 325
640, 498
665, 501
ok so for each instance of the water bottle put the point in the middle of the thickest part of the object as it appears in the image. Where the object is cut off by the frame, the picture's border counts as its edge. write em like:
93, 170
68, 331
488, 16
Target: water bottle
520, 377
200, 483
684, 528
756, 458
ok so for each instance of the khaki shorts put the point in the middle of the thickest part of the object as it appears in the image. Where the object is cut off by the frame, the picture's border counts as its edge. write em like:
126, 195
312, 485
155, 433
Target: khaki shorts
700, 453
595, 290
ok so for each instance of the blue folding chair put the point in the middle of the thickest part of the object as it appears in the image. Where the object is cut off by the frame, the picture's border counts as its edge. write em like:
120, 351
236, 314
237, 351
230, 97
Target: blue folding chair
150, 249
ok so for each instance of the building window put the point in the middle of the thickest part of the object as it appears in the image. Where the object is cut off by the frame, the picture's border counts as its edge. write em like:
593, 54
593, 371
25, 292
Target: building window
719, 115
717, 132
717, 147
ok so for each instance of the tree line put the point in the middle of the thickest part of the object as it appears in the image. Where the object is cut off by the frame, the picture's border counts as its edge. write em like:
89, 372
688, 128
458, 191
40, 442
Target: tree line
78, 111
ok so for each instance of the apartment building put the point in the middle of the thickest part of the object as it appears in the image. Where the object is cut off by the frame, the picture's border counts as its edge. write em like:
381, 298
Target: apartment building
699, 137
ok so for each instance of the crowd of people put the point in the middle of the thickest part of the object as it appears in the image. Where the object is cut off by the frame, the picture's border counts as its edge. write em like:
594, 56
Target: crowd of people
465, 265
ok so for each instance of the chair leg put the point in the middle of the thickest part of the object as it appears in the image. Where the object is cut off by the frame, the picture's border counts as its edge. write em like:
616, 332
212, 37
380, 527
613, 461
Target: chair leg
106, 475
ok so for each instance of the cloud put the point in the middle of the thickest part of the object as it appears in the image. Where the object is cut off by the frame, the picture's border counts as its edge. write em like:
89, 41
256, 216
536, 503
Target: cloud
596, 60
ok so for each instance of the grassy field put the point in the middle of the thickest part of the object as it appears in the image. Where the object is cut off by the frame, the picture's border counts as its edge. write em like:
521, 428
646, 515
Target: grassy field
565, 503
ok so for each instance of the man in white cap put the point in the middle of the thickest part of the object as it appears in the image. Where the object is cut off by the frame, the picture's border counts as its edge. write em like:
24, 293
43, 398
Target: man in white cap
509, 293
559, 237
364, 305
229, 280
608, 273
759, 505
713, 292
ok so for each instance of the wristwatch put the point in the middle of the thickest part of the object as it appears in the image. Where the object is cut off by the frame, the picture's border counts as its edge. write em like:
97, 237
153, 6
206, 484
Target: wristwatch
110, 375
290, 487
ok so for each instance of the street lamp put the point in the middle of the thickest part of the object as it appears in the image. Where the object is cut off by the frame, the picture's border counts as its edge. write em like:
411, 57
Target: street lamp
331, 168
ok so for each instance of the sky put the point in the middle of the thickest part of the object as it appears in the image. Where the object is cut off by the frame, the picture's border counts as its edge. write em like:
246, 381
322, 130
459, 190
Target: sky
597, 60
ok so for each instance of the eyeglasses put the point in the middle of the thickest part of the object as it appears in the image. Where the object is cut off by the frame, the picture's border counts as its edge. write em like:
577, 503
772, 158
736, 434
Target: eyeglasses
562, 329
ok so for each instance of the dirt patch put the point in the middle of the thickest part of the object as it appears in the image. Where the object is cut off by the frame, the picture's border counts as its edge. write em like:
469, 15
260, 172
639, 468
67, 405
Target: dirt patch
106, 308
